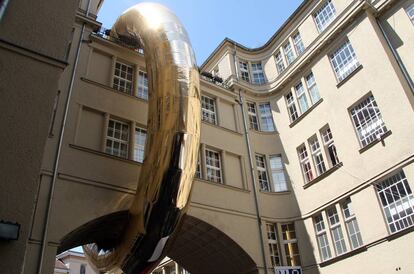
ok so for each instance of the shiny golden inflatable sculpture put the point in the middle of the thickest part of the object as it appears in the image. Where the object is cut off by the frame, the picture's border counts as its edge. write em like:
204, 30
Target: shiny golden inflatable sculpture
172, 144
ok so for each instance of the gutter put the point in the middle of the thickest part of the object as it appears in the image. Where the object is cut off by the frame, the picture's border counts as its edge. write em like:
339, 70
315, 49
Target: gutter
256, 201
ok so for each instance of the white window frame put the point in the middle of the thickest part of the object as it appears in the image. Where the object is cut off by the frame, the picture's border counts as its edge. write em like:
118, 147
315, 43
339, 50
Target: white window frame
262, 175
142, 89
208, 109
199, 169
291, 106
122, 140
278, 174
298, 43
123, 77
329, 146
252, 113
272, 238
288, 244
266, 117
343, 67
322, 237
410, 12
312, 88
336, 231
214, 171
324, 16
288, 52
244, 70
301, 97
372, 126
280, 64
305, 163
397, 202
317, 155
139, 147
351, 223
258, 73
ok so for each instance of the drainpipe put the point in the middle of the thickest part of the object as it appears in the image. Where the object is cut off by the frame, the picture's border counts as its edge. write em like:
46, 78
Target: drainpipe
59, 148
397, 57
249, 152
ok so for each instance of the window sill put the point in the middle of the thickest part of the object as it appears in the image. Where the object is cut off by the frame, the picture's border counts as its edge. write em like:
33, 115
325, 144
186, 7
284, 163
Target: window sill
305, 113
285, 192
264, 132
112, 89
324, 175
221, 127
107, 155
373, 143
363, 248
222, 185
343, 81
344, 256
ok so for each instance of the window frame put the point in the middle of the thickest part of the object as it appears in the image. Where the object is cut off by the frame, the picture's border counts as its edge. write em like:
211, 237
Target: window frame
139, 147
410, 12
244, 70
343, 69
298, 44
114, 139
329, 146
305, 163
336, 230
365, 139
125, 88
211, 115
142, 85
214, 168
281, 170
321, 26
266, 115
317, 155
288, 52
350, 219
253, 116
262, 172
280, 62
322, 233
259, 72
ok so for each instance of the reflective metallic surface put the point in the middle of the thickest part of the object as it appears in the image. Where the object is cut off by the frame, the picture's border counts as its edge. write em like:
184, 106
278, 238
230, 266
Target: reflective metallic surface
172, 146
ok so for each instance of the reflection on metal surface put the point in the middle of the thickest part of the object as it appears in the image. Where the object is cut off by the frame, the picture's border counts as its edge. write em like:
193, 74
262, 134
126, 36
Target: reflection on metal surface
173, 140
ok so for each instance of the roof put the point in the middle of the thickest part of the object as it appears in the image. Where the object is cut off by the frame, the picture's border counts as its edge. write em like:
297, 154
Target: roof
274, 36
60, 265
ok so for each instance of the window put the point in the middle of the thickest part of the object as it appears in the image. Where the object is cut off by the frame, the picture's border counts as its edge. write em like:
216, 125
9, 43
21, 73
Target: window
300, 94
313, 89
305, 163
208, 108
336, 231
290, 244
293, 113
322, 238
278, 173
258, 75
367, 120
325, 15
262, 172
273, 245
297, 41
266, 117
287, 49
397, 202
139, 146
280, 65
117, 138
142, 85
123, 77
344, 61
55, 106
213, 166
198, 173
244, 71
410, 12
82, 269
330, 148
317, 155
252, 112
351, 223
216, 71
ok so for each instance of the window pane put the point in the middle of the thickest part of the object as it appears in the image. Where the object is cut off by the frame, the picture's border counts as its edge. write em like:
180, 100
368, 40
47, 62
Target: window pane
344, 61
278, 174
266, 117
325, 15
208, 109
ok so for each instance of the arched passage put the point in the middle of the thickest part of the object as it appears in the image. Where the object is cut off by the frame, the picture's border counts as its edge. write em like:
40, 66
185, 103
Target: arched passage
203, 249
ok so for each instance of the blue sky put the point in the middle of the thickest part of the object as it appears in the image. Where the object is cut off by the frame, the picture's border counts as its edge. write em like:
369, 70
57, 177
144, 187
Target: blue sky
208, 22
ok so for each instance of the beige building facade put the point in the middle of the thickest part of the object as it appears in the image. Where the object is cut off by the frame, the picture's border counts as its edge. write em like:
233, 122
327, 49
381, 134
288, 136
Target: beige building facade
305, 165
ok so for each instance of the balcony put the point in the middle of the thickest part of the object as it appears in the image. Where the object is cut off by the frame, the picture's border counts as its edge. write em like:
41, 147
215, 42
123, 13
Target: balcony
122, 41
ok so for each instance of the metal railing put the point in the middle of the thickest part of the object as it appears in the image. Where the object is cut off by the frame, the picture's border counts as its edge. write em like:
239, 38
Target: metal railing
124, 42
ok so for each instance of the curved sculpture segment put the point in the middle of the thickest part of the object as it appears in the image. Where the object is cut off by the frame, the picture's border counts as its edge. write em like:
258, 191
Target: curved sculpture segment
172, 141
